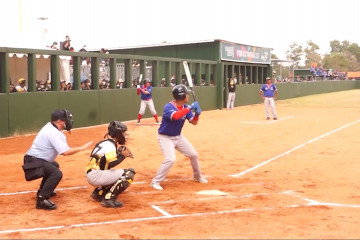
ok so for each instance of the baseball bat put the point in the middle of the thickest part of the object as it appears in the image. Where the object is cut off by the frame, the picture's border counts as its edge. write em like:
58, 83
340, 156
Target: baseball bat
189, 79
139, 83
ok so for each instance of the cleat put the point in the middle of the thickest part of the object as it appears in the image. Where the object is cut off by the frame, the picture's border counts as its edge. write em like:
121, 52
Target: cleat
267, 118
200, 180
156, 186
275, 118
138, 123
111, 203
158, 123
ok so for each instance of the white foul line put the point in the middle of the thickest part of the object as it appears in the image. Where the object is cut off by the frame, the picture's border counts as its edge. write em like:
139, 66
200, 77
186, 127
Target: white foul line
31, 191
161, 211
293, 149
167, 215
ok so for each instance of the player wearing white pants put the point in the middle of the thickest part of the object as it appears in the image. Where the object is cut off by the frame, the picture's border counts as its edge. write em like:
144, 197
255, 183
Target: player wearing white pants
146, 100
147, 103
268, 93
170, 137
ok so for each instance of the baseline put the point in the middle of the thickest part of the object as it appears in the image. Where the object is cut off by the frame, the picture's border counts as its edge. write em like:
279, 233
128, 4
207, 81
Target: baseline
293, 149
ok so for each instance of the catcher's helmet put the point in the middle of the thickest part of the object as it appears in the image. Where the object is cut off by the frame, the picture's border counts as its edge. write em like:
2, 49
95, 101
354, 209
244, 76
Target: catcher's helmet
179, 92
116, 129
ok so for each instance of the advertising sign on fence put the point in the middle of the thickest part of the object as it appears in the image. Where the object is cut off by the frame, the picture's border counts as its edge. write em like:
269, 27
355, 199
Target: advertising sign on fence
245, 53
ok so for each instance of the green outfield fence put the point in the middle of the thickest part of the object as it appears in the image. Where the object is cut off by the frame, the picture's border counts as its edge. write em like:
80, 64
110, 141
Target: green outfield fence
27, 112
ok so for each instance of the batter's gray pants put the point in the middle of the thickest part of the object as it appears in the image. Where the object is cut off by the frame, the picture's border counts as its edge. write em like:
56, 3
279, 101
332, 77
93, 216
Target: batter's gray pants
168, 144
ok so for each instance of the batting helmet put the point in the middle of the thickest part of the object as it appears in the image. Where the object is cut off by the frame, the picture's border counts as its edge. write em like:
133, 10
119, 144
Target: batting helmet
179, 92
116, 129
146, 80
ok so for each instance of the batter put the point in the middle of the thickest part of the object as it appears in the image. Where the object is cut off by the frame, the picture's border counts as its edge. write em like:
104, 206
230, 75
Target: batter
170, 138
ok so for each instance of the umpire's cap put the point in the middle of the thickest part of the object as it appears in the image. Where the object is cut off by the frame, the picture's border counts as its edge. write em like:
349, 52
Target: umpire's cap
58, 114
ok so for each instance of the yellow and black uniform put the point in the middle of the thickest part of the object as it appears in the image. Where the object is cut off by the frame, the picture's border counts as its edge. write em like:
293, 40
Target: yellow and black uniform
100, 173
104, 156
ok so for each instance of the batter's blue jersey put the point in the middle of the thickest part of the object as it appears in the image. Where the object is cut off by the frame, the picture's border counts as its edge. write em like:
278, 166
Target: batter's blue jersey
170, 126
146, 96
268, 91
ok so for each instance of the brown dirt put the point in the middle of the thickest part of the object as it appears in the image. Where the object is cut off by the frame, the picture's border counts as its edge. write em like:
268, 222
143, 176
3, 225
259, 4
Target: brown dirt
307, 189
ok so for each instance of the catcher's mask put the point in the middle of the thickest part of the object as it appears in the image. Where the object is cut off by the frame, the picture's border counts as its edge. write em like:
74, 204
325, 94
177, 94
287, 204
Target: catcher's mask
117, 129
63, 115
180, 91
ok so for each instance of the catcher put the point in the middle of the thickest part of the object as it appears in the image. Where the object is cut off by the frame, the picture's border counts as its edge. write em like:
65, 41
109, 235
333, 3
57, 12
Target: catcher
110, 182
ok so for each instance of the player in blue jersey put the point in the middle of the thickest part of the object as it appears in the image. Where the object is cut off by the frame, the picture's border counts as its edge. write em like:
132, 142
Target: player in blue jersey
146, 100
170, 137
268, 94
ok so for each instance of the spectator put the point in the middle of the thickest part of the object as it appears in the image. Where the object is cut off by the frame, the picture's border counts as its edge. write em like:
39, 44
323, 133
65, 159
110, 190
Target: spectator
163, 82
66, 44
72, 58
48, 85
87, 85
172, 81
63, 85
21, 87
12, 88
68, 86
82, 86
120, 83
54, 46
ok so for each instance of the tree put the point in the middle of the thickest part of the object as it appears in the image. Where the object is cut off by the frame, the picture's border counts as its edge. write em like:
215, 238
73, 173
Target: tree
344, 56
295, 53
311, 56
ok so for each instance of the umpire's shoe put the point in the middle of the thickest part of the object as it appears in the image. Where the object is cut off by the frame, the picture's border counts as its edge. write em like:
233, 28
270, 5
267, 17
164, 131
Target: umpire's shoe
45, 203
111, 203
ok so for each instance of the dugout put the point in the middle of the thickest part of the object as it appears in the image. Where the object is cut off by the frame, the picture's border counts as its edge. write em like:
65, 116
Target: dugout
248, 64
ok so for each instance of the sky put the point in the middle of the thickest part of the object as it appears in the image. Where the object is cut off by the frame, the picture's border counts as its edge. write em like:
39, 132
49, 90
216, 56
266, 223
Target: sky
123, 23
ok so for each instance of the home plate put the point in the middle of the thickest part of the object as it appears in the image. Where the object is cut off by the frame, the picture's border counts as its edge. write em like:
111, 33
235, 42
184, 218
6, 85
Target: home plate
212, 192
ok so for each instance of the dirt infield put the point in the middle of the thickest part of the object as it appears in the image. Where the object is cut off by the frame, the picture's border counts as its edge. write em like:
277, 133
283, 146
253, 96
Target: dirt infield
297, 178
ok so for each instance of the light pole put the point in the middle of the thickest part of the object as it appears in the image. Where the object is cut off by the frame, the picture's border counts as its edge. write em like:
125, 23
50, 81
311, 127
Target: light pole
44, 30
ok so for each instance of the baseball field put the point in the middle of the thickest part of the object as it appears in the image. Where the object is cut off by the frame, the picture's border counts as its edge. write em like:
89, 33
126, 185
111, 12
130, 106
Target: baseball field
297, 177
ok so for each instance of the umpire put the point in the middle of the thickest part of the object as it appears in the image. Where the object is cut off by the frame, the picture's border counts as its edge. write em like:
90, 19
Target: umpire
39, 161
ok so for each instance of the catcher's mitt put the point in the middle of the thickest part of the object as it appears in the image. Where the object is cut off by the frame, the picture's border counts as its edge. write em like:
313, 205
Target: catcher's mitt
123, 150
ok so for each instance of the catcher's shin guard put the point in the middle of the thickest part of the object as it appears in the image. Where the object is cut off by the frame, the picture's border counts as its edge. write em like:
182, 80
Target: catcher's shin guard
121, 184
